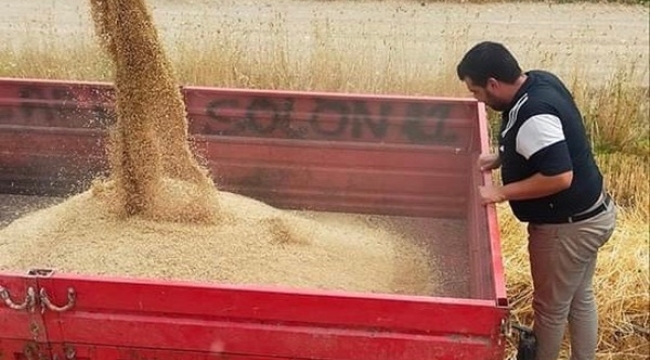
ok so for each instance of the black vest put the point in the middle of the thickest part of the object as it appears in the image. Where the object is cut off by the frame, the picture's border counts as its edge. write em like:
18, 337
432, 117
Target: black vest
543, 93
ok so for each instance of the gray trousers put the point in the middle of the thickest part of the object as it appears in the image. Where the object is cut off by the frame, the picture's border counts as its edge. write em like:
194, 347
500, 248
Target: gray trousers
563, 260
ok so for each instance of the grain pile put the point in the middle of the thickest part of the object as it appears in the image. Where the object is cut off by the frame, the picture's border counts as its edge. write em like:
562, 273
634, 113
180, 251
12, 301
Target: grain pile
252, 244
160, 216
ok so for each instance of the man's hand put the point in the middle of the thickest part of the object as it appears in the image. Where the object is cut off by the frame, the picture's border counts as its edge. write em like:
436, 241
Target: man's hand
491, 194
533, 187
487, 162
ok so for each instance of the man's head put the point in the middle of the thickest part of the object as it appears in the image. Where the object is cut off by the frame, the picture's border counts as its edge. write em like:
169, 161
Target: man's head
491, 73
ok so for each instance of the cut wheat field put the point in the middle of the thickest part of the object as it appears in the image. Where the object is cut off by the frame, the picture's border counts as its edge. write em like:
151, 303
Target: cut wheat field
408, 47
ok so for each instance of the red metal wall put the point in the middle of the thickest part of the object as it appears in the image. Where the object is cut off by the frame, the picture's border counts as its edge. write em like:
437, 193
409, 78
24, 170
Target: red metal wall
487, 280
118, 319
338, 152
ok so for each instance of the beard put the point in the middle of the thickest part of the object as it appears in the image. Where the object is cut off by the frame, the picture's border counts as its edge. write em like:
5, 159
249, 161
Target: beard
495, 103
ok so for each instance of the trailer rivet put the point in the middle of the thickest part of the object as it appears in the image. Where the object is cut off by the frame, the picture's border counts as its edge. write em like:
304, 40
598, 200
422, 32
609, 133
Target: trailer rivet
70, 353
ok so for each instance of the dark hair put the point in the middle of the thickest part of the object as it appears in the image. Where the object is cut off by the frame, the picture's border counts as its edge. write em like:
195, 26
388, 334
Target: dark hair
488, 60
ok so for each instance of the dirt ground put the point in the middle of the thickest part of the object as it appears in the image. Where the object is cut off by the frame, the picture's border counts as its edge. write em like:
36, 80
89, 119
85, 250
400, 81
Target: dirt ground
594, 38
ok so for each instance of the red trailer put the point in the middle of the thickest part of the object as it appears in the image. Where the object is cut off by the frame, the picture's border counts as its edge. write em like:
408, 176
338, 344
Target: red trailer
369, 154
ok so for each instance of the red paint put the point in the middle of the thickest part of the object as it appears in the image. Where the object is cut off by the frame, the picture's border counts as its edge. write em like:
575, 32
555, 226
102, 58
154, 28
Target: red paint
493, 235
364, 153
15, 350
21, 329
485, 252
31, 325
269, 322
52, 145
269, 304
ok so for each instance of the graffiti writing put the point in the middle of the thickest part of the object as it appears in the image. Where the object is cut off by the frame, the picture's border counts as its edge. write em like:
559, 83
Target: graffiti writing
353, 117
330, 119
59, 106
315, 118
279, 117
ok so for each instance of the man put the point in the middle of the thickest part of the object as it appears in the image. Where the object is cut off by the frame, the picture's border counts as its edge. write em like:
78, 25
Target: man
552, 182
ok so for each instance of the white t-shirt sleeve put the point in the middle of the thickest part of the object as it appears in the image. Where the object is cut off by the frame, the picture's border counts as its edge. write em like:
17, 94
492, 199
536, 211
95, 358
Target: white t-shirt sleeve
538, 132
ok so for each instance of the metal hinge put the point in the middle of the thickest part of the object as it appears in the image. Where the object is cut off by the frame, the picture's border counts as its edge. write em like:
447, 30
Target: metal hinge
28, 304
31, 299
47, 304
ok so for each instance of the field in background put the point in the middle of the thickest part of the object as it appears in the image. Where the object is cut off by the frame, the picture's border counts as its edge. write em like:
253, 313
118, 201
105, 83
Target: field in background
601, 51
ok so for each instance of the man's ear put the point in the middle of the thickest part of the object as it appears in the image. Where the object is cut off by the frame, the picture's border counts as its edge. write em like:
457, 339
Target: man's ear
492, 84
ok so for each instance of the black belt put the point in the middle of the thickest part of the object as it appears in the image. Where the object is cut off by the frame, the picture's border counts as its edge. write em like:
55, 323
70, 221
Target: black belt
575, 218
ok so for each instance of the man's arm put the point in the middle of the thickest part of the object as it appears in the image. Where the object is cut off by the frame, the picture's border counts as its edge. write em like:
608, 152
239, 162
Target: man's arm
487, 162
541, 141
533, 187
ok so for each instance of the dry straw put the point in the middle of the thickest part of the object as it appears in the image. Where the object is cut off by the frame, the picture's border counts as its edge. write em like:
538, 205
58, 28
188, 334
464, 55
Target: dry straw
621, 286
